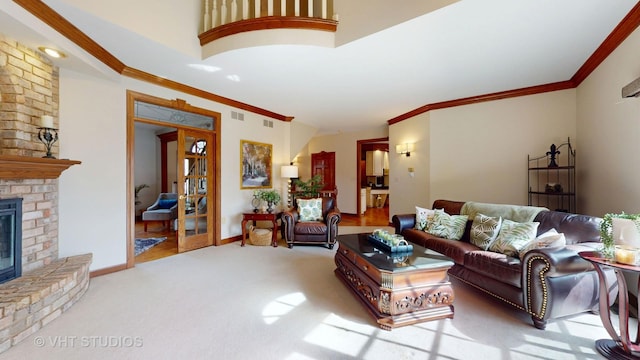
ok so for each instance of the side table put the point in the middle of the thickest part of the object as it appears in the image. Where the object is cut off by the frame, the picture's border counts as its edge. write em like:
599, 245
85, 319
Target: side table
260, 216
619, 346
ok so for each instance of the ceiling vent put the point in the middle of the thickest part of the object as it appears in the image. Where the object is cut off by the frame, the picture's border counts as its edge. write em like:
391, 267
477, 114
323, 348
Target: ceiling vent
632, 90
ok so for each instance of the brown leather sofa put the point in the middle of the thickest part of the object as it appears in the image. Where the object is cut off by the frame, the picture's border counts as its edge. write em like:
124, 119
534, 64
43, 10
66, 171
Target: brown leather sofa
548, 283
312, 232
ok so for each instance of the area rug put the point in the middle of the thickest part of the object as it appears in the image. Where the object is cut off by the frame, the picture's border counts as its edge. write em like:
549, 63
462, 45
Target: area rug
143, 245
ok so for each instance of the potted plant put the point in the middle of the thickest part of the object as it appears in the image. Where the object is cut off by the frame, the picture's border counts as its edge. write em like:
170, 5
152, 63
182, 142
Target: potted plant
310, 187
606, 231
272, 198
137, 192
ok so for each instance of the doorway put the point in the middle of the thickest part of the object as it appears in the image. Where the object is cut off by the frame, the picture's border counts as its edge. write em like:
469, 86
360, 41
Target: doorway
184, 151
373, 178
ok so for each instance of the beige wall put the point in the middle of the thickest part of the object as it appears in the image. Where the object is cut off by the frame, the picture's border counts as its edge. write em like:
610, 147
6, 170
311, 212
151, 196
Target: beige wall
479, 152
345, 147
407, 191
93, 194
609, 134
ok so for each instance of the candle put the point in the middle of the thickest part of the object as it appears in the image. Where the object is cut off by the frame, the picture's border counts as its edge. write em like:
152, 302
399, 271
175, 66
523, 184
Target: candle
626, 255
46, 121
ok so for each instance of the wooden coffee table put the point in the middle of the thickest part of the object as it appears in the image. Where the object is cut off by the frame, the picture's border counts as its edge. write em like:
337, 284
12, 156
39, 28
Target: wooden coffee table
396, 289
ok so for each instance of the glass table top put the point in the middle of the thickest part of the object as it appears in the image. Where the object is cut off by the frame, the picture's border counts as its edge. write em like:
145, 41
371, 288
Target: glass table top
419, 258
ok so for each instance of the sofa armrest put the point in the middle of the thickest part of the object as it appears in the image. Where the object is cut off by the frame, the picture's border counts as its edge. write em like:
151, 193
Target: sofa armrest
557, 261
403, 221
333, 217
558, 282
289, 219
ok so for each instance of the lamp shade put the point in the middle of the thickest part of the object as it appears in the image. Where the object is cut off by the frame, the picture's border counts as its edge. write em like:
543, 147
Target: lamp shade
289, 171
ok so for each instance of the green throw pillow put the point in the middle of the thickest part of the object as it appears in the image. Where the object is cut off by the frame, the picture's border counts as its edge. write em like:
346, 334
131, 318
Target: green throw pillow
310, 209
447, 226
484, 230
513, 237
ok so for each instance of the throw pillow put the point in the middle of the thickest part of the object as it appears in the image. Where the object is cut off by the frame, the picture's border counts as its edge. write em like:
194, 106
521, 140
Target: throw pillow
166, 203
484, 230
424, 217
310, 209
513, 237
447, 226
549, 239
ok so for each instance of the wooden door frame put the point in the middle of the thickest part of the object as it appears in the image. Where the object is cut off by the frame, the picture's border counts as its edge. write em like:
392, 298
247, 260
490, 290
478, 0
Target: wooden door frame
359, 144
177, 104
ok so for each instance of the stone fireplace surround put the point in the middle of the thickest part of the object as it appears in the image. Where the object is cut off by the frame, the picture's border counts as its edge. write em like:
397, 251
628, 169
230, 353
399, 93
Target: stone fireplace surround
48, 286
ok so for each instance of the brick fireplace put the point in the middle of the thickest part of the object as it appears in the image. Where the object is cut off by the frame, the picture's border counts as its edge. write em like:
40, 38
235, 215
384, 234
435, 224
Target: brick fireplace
49, 285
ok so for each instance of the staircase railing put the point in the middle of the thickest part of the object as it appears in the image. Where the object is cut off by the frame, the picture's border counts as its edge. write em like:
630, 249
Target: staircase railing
226, 17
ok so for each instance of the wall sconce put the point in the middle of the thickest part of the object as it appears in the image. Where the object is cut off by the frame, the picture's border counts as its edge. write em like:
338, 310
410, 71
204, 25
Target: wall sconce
405, 148
289, 171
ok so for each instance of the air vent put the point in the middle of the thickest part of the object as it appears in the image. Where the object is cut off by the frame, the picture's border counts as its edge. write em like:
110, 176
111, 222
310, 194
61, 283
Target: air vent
237, 116
267, 123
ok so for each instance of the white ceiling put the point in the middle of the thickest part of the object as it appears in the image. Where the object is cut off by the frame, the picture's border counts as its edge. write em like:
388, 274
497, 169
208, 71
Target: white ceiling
471, 47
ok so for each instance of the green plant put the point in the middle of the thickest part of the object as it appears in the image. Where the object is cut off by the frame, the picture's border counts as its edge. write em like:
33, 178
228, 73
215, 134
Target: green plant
270, 196
137, 192
310, 187
606, 230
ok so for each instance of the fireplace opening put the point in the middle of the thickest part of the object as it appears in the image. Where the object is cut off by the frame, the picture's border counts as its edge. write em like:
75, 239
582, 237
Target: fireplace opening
10, 239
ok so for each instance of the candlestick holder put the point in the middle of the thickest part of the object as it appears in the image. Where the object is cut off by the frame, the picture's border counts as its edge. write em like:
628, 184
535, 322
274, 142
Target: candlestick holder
48, 136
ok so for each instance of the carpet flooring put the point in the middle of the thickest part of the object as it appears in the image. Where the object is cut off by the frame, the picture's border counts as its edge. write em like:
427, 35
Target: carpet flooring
258, 302
143, 245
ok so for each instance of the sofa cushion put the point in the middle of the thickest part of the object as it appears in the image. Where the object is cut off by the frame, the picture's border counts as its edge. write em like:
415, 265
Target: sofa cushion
497, 266
424, 217
484, 230
549, 239
513, 237
451, 248
447, 226
166, 203
310, 209
310, 228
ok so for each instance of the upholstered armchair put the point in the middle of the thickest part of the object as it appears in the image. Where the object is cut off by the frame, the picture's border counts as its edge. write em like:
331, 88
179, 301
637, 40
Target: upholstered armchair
165, 209
311, 223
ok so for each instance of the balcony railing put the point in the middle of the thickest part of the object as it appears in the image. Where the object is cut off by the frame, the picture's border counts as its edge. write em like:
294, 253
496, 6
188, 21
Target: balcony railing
227, 17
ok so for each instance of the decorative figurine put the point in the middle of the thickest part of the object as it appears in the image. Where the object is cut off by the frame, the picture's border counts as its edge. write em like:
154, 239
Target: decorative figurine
552, 153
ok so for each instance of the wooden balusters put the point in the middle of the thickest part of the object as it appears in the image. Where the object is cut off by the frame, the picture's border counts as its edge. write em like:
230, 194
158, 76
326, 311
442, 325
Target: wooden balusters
245, 9
221, 12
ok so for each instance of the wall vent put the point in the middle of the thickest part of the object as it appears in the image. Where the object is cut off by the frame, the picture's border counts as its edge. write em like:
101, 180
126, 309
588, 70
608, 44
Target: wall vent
237, 116
267, 123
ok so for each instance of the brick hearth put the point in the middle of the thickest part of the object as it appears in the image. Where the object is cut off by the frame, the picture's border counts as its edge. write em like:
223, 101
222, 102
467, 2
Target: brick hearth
29, 89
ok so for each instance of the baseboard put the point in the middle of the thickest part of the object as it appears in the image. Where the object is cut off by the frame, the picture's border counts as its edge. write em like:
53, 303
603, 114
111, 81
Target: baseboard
231, 240
107, 270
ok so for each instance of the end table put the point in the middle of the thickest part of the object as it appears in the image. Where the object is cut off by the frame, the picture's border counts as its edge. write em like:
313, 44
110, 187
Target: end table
260, 216
619, 346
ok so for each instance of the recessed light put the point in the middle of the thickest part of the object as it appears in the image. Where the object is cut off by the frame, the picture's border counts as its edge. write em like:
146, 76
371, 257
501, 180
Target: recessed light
235, 78
52, 52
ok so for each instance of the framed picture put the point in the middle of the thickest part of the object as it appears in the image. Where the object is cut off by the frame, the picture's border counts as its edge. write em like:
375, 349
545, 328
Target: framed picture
255, 165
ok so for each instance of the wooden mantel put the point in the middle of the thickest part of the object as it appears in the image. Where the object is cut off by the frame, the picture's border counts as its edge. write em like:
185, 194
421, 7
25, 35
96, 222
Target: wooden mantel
24, 167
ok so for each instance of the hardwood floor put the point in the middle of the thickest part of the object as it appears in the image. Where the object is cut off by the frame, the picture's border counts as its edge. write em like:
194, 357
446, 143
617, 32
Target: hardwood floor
372, 217
166, 248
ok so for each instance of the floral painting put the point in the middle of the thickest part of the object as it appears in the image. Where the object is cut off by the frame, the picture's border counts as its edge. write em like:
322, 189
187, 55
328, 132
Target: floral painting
255, 162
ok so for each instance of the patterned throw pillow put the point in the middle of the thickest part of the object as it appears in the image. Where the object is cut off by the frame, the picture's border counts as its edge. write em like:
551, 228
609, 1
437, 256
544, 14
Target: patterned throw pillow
484, 230
549, 239
447, 226
513, 237
310, 209
424, 217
